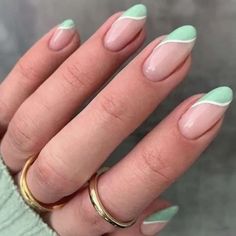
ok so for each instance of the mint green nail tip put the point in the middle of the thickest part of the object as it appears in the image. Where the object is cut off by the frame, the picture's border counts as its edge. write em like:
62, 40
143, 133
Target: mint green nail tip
164, 215
184, 33
221, 95
138, 10
67, 24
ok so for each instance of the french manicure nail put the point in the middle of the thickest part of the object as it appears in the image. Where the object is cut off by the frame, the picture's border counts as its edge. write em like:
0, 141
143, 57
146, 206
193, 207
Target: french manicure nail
126, 27
157, 221
62, 35
203, 114
170, 53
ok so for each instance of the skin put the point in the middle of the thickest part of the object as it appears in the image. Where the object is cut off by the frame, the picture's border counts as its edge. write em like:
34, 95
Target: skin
38, 101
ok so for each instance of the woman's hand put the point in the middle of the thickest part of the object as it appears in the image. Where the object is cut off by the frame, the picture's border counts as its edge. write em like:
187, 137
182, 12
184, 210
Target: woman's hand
56, 77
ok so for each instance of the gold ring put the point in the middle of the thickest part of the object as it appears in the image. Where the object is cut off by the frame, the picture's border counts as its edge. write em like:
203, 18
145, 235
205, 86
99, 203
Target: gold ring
28, 196
99, 207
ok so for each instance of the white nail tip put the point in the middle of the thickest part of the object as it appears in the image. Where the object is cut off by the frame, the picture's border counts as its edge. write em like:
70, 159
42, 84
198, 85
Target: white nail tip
154, 222
132, 17
65, 27
175, 41
211, 102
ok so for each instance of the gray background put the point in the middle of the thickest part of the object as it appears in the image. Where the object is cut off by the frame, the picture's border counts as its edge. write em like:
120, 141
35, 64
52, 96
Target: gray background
207, 193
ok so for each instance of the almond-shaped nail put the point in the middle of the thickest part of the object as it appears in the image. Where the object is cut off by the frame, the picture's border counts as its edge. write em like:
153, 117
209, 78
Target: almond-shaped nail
156, 222
62, 35
170, 53
125, 28
204, 114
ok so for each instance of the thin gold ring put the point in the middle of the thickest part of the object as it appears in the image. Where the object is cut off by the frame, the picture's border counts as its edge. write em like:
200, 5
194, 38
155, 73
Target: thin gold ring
99, 207
28, 196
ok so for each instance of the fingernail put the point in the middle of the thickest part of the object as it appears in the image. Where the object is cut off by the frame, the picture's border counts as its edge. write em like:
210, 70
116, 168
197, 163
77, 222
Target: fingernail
62, 35
126, 27
156, 222
170, 53
203, 114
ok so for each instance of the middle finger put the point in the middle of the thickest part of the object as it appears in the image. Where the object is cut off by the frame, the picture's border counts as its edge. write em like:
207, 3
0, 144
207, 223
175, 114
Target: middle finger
74, 154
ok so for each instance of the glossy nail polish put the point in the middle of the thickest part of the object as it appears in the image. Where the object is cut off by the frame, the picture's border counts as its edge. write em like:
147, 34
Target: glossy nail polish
125, 28
62, 35
170, 53
204, 114
157, 221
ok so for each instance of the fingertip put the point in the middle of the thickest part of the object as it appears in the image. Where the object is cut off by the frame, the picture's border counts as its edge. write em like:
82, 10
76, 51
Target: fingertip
204, 113
63, 36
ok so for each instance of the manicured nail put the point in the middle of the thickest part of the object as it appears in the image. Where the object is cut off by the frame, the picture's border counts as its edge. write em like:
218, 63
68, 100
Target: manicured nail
126, 27
170, 53
157, 221
62, 35
203, 114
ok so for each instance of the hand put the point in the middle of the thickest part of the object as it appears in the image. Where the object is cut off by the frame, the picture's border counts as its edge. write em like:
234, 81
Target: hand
56, 77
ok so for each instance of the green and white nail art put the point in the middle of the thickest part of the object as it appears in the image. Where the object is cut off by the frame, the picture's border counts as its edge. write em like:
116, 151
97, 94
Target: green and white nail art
221, 96
136, 12
162, 216
184, 34
67, 24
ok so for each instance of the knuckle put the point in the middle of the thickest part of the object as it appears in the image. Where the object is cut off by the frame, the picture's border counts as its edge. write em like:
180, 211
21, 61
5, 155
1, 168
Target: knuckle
48, 177
4, 114
113, 108
75, 77
155, 163
20, 132
27, 70
91, 217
